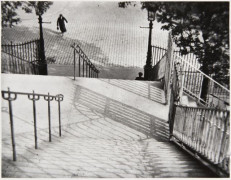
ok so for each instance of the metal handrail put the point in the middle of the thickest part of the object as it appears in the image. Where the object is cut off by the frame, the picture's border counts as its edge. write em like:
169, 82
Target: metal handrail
90, 69
158, 52
12, 96
202, 131
202, 73
193, 79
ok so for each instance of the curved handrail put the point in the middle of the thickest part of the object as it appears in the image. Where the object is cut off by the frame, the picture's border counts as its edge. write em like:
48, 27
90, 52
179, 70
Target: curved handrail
85, 61
12, 96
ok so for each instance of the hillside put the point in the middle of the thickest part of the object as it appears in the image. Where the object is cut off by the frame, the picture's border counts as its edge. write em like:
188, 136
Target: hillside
59, 49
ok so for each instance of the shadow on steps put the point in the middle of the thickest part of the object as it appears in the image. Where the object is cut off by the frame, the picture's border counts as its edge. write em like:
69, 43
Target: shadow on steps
124, 114
151, 90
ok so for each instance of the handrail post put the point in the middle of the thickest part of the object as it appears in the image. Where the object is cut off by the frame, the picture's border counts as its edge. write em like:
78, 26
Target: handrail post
79, 66
9, 99
83, 67
48, 99
59, 98
74, 62
34, 98
86, 68
92, 72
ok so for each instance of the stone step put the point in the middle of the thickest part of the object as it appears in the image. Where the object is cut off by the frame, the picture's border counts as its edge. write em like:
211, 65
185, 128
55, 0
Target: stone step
98, 147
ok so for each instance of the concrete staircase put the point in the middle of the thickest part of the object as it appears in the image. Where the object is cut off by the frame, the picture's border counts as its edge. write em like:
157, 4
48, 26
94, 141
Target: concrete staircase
111, 128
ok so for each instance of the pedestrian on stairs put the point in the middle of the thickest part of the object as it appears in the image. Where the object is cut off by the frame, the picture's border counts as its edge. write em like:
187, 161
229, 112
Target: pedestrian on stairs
61, 24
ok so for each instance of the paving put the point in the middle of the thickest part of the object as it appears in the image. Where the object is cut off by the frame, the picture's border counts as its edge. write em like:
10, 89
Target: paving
106, 33
105, 132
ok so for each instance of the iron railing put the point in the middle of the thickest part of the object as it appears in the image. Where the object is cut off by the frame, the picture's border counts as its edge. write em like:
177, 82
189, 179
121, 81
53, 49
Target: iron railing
12, 96
158, 53
192, 79
85, 67
217, 96
205, 131
20, 58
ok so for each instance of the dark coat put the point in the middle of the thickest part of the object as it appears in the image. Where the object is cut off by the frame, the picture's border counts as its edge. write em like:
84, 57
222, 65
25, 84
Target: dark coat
61, 24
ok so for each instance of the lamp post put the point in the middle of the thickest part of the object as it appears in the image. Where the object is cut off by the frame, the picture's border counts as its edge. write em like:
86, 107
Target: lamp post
148, 66
42, 58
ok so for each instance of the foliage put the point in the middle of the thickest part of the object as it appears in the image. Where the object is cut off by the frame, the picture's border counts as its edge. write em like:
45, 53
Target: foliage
198, 27
9, 16
9, 8
39, 6
201, 28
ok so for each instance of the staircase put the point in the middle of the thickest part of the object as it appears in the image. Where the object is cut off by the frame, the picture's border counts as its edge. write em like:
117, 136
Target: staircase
111, 129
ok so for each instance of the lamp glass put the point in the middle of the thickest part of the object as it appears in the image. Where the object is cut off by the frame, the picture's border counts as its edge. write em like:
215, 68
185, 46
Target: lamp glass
151, 15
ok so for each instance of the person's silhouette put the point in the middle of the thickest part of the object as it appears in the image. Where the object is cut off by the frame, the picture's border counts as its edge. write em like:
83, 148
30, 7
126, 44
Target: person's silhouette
140, 76
61, 23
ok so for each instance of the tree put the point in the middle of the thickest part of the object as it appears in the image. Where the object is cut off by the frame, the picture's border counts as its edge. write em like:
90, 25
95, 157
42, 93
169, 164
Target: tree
9, 16
9, 8
201, 28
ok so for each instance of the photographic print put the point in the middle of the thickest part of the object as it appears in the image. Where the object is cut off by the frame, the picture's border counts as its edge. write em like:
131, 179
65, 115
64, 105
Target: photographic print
115, 89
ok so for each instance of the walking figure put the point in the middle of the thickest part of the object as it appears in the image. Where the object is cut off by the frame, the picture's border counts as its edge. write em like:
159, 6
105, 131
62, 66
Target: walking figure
61, 24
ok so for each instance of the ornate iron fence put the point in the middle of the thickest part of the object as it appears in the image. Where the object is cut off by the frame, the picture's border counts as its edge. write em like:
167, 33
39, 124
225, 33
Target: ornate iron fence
205, 131
12, 96
85, 67
20, 58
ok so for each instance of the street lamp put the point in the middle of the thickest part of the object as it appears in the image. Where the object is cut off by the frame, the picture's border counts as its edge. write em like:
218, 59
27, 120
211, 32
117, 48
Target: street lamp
148, 66
42, 58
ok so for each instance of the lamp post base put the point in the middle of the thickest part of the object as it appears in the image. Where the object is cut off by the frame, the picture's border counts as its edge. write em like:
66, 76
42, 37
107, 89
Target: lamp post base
147, 72
43, 69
